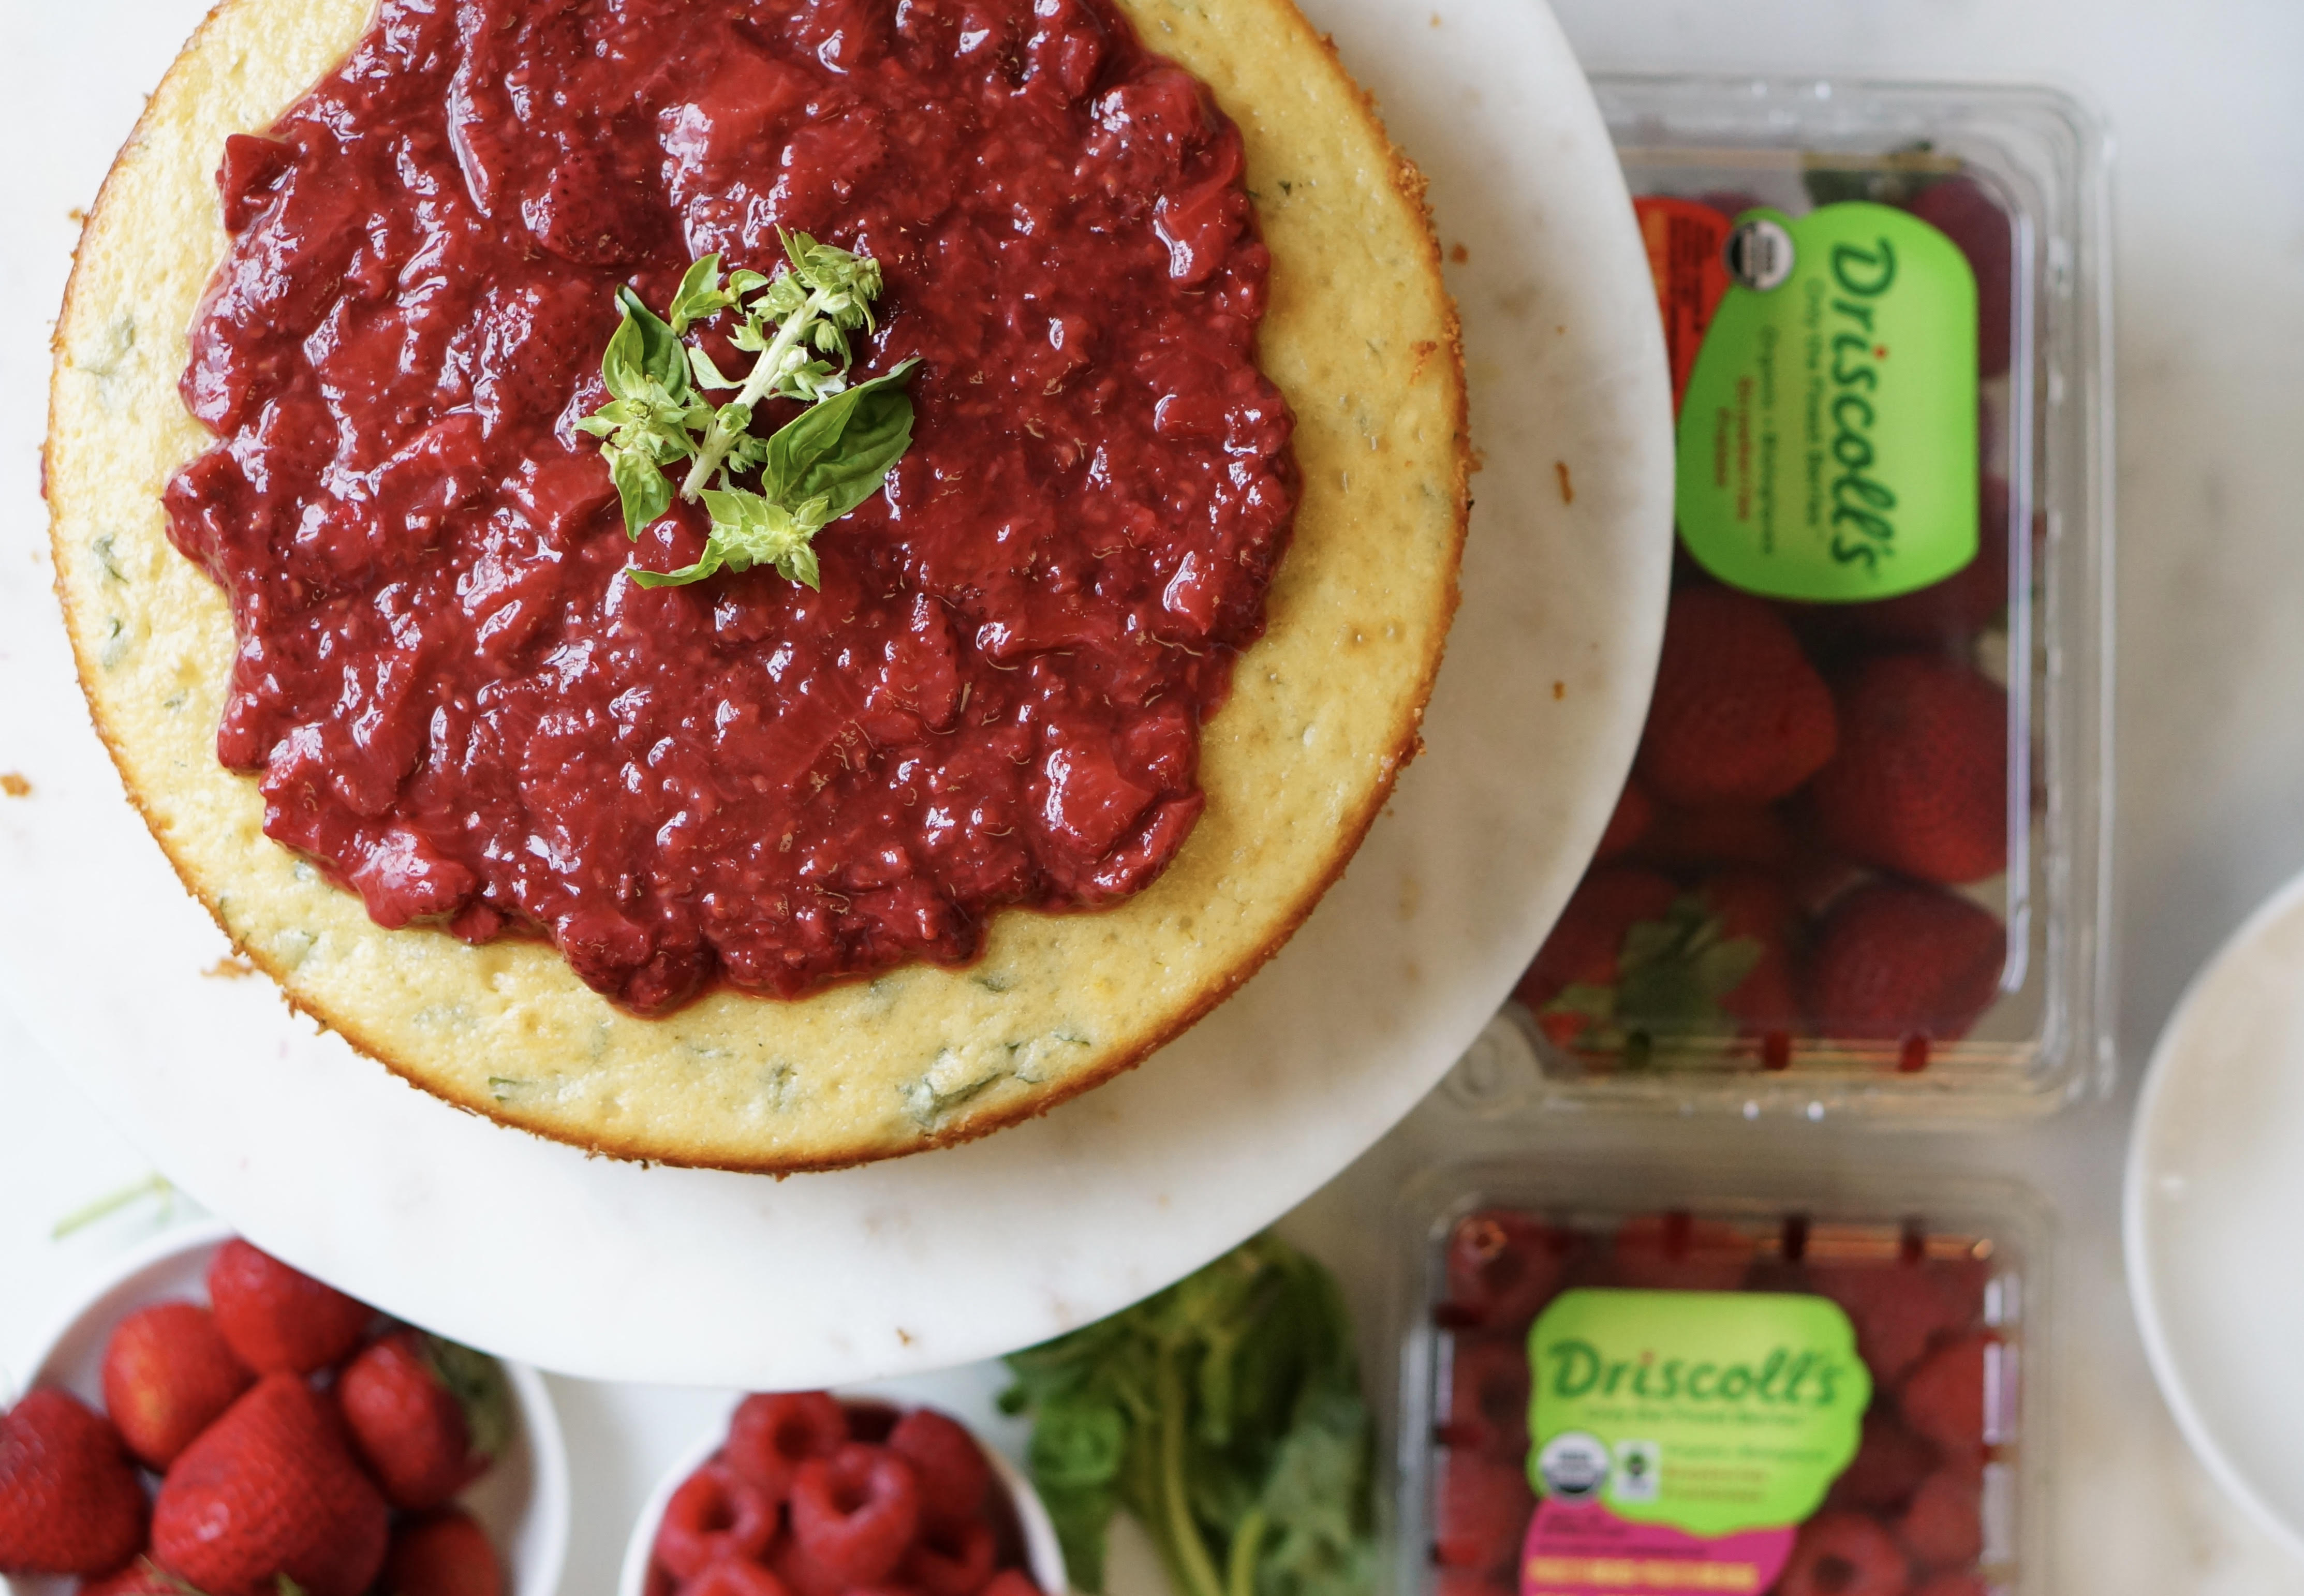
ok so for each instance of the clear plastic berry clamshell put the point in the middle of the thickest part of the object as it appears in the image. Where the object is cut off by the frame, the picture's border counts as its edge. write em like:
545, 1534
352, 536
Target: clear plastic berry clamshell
1846, 944
1944, 1283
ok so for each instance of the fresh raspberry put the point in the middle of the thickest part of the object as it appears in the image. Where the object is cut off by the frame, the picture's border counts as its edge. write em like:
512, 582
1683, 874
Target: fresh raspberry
1674, 1252
1919, 784
803, 1575
1471, 1582
950, 1559
1945, 1397
1488, 1396
69, 1501
1844, 1554
443, 1554
1953, 1583
168, 1374
1889, 1464
1943, 1527
1503, 1268
275, 1318
714, 1514
1587, 943
1481, 1516
774, 1433
948, 1465
1628, 823
1739, 715
1895, 961
856, 1511
733, 1576
1897, 1310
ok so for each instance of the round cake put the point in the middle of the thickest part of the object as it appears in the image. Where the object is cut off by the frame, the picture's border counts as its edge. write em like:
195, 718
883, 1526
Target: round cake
783, 868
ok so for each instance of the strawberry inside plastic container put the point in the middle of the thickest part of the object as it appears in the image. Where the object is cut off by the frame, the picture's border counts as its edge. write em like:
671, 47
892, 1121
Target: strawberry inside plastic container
1858, 863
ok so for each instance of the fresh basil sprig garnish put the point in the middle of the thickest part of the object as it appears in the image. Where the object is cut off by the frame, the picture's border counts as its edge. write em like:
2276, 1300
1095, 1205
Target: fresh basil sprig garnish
813, 469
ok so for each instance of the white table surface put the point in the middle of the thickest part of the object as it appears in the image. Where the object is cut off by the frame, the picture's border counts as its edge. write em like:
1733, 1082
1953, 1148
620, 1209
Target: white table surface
2209, 231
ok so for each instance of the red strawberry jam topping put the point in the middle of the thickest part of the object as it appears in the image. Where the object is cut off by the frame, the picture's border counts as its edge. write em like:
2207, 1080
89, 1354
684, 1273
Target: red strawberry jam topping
460, 708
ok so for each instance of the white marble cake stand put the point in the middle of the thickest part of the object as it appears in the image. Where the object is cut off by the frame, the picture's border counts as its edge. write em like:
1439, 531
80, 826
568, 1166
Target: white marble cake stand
609, 1269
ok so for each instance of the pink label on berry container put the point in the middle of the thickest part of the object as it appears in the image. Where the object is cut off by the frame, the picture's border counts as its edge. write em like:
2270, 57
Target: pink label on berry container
1583, 1550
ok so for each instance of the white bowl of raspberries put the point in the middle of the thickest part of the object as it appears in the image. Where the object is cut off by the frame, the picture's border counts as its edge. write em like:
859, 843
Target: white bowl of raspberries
803, 1493
208, 1419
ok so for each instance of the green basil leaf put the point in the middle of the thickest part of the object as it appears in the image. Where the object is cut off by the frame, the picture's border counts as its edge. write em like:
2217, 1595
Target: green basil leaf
641, 487
650, 347
699, 294
843, 448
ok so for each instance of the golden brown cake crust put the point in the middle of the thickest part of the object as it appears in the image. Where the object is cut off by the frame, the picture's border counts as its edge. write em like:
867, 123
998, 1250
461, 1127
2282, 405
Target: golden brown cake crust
1324, 711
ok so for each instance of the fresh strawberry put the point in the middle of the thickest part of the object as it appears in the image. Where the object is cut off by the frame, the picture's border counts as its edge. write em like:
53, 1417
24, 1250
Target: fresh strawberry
1739, 715
1897, 1310
1964, 211
1962, 603
271, 1488
1754, 907
1889, 1464
1945, 1398
443, 1554
1677, 1253
1894, 960
275, 1318
1482, 1513
1943, 1527
1693, 971
1503, 1268
1012, 1582
1919, 784
142, 1577
1844, 1554
426, 1415
69, 1501
168, 1374
1721, 834
1585, 946
1634, 810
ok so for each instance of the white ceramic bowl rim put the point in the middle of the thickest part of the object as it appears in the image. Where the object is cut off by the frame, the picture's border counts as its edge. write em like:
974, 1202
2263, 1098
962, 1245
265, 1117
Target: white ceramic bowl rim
2144, 1278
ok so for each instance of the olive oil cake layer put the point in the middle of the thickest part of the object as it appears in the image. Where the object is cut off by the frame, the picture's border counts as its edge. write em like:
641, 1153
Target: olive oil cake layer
1323, 708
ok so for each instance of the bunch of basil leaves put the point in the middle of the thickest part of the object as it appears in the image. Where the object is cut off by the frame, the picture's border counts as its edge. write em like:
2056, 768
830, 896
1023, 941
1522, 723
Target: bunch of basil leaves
1225, 1415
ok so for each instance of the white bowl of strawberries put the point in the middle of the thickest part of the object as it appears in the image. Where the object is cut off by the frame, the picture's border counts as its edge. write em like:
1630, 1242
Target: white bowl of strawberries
805, 1494
208, 1418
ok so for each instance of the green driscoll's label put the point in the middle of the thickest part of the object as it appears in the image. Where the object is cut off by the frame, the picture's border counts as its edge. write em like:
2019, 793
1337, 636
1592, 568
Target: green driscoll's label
1713, 1412
1828, 437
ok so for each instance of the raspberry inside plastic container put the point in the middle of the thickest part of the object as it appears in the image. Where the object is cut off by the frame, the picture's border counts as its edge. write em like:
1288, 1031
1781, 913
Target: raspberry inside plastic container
1930, 1502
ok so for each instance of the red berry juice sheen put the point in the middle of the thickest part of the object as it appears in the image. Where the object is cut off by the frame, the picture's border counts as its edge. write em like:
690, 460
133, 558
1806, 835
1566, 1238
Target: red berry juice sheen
458, 707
